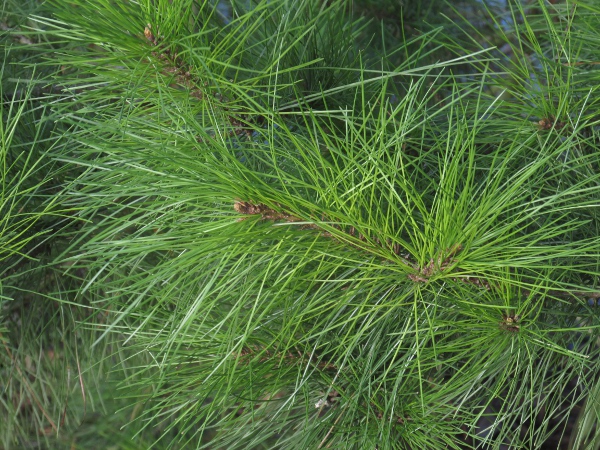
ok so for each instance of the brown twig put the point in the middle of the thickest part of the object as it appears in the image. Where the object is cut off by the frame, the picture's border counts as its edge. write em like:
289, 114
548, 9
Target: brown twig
446, 259
437, 265
267, 213
174, 64
440, 264
550, 122
182, 72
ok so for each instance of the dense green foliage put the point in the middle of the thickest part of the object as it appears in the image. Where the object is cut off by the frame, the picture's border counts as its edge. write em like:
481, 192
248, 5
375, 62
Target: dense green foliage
290, 224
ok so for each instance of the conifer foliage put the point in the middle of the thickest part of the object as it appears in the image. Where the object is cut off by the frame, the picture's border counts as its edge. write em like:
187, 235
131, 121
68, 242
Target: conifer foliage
306, 230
